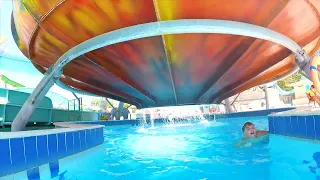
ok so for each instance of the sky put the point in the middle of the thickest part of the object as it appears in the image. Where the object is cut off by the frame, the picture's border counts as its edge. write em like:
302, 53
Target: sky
14, 64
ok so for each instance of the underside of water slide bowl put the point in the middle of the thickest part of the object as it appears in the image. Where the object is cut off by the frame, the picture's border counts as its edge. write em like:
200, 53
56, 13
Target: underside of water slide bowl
166, 69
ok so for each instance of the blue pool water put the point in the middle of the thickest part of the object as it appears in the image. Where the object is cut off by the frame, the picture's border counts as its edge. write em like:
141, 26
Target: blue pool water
199, 151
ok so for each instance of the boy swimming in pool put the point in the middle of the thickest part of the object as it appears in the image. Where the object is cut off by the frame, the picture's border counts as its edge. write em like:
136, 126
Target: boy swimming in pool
250, 134
249, 131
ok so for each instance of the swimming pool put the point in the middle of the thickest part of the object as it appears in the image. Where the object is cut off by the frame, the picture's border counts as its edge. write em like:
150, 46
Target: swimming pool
190, 151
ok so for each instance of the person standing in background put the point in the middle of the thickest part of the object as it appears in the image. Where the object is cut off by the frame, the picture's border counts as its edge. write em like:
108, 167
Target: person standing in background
125, 113
113, 113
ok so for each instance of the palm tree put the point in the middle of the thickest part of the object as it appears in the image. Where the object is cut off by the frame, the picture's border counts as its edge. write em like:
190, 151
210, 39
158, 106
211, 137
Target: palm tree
283, 84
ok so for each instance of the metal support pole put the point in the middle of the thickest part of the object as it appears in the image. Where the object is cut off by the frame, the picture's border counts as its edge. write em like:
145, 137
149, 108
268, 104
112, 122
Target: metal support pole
109, 102
266, 96
79, 117
228, 106
74, 105
234, 107
80, 104
120, 107
77, 99
235, 99
34, 100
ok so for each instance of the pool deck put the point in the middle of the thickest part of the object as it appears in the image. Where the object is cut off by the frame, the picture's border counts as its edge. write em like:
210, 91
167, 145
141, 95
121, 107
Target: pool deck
299, 111
25, 150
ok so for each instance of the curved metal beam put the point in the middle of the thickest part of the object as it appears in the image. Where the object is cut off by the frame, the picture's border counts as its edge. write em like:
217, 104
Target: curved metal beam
143, 31
177, 27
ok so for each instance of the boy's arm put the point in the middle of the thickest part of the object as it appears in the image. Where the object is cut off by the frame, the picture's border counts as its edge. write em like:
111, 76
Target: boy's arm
261, 133
244, 143
240, 143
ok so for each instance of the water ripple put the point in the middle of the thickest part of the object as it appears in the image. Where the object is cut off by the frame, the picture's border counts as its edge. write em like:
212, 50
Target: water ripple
153, 167
118, 174
170, 168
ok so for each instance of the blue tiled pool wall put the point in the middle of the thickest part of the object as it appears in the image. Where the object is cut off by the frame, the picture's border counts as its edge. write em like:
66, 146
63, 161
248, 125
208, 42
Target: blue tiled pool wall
57, 169
307, 127
18, 154
252, 113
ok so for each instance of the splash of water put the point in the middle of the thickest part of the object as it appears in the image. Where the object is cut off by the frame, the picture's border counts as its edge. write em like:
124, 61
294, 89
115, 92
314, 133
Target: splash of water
152, 123
175, 118
142, 130
176, 125
142, 122
204, 122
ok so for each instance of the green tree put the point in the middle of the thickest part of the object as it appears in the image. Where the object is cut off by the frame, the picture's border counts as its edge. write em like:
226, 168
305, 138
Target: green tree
283, 84
96, 101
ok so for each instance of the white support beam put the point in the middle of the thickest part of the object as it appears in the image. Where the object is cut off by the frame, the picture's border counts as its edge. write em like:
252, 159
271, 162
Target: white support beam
149, 30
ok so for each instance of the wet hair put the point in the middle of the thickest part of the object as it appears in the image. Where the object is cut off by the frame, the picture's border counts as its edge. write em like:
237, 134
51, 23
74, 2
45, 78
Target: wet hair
246, 124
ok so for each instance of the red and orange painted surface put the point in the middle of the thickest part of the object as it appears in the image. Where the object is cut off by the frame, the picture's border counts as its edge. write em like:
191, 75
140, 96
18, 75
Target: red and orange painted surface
210, 66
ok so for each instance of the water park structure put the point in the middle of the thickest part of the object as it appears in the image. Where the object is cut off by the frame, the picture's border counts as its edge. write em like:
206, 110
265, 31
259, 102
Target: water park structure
159, 53
152, 53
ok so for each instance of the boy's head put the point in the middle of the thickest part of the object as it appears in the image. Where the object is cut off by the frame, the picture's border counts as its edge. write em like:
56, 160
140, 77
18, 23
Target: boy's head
249, 130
